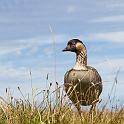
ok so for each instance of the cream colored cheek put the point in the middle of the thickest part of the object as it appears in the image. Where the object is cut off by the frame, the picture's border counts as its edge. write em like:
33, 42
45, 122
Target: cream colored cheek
79, 46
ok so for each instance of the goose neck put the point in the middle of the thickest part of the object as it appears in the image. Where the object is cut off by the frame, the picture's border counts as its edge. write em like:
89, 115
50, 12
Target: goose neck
81, 61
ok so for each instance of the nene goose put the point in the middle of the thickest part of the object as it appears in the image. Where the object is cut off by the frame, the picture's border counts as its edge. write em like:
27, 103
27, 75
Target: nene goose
82, 83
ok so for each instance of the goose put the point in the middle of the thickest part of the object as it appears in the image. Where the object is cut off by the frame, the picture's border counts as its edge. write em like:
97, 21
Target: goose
82, 83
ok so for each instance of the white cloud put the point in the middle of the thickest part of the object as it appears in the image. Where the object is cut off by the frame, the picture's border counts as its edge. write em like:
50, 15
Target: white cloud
16, 46
8, 49
109, 36
108, 69
115, 5
48, 51
72, 9
9, 72
116, 18
111, 65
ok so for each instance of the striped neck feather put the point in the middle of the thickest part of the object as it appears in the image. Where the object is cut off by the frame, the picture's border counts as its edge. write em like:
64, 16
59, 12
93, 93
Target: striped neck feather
81, 61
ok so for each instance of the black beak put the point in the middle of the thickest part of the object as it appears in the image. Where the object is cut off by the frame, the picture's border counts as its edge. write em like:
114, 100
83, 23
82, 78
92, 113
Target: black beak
66, 49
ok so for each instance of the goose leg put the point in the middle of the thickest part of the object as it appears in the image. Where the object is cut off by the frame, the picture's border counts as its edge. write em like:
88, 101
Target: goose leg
93, 108
92, 112
79, 111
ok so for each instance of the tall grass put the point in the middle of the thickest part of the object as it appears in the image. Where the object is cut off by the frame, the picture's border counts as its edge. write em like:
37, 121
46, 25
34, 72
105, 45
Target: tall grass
53, 109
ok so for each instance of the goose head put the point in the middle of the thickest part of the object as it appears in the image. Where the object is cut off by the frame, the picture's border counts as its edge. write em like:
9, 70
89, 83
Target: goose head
75, 45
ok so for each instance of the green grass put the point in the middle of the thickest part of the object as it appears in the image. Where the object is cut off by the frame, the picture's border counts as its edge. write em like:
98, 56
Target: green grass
53, 111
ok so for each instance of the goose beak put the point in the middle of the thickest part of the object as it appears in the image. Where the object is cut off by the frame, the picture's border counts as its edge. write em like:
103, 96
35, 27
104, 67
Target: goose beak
66, 49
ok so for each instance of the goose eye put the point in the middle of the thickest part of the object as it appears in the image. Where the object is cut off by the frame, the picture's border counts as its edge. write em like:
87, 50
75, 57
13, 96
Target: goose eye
73, 43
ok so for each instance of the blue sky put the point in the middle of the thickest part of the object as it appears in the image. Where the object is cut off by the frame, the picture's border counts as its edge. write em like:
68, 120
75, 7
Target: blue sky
26, 42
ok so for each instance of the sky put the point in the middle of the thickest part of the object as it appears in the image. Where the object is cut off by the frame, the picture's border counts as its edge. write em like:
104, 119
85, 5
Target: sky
34, 32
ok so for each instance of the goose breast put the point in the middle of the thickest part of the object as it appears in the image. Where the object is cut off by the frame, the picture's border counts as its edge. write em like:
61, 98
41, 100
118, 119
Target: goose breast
83, 86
